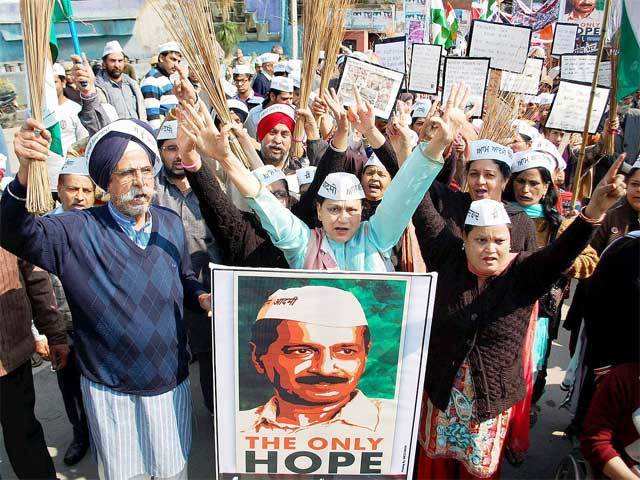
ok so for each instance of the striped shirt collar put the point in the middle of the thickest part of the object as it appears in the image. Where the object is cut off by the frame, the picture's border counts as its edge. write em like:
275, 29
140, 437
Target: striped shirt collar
127, 224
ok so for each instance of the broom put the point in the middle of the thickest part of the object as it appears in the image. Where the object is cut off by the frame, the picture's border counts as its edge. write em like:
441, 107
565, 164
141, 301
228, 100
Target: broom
334, 40
36, 25
190, 22
315, 19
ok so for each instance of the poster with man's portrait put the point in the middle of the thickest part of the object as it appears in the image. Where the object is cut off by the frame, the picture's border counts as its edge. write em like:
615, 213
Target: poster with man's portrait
588, 15
318, 374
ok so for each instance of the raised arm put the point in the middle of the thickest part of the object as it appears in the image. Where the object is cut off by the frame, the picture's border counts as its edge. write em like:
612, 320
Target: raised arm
541, 268
42, 241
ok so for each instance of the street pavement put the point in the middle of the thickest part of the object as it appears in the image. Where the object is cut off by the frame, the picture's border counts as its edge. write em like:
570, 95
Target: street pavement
548, 445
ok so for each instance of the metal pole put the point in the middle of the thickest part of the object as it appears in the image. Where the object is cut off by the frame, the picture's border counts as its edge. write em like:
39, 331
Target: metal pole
594, 83
294, 29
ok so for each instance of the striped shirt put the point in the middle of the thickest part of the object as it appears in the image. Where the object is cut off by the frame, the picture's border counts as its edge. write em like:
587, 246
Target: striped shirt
158, 96
139, 435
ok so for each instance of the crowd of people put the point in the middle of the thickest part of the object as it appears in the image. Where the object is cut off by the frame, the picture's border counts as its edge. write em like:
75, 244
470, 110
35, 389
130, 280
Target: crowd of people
113, 286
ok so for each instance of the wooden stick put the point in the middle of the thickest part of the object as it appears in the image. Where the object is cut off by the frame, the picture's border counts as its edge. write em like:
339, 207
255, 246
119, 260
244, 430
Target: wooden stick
613, 104
594, 84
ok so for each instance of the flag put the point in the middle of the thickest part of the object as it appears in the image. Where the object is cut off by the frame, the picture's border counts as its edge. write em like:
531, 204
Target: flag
62, 12
629, 59
444, 24
483, 9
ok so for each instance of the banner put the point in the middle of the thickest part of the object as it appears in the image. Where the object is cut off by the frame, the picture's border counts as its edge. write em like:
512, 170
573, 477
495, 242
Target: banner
425, 68
564, 38
528, 82
588, 16
474, 72
570, 106
506, 45
536, 19
377, 85
318, 374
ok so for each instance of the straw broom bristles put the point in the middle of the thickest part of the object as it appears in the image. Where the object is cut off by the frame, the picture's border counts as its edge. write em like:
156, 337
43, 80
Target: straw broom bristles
190, 22
334, 40
36, 24
315, 19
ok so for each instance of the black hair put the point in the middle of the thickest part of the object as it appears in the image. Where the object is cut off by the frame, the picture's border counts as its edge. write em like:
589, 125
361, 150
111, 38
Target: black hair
264, 332
632, 172
319, 200
467, 228
548, 202
503, 167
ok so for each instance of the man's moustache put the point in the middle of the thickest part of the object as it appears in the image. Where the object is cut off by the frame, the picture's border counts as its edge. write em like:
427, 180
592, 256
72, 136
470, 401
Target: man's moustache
314, 379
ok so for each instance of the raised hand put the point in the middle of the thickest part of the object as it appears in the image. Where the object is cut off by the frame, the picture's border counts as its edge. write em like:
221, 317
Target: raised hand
31, 143
361, 115
200, 128
183, 89
83, 75
610, 189
334, 104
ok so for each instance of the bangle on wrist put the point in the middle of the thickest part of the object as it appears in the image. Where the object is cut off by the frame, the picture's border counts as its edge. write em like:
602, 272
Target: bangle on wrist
8, 190
594, 221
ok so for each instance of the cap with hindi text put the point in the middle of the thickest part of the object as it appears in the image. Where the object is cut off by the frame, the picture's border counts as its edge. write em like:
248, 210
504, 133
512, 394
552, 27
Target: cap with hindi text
487, 213
490, 150
341, 186
531, 159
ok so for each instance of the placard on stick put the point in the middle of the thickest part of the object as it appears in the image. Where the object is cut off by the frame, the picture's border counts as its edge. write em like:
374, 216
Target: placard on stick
579, 68
528, 82
425, 68
564, 38
379, 86
474, 72
392, 53
569, 108
506, 45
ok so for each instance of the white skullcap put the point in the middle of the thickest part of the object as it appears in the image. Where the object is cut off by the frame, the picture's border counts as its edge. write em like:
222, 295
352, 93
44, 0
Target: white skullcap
278, 108
486, 213
536, 51
232, 103
75, 166
305, 175
525, 129
112, 47
58, 70
543, 145
531, 159
373, 161
636, 164
309, 305
282, 84
341, 186
295, 64
268, 174
553, 73
489, 150
421, 109
360, 56
267, 58
169, 47
241, 69
168, 130
282, 67
5, 181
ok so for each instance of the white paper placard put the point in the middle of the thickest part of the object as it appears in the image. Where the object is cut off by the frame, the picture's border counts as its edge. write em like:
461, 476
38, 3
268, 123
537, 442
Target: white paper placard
506, 45
579, 68
425, 68
569, 109
528, 82
474, 72
392, 54
377, 85
564, 38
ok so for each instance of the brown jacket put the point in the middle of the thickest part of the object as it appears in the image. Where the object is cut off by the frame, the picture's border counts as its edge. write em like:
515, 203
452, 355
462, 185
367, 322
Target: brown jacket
25, 294
619, 221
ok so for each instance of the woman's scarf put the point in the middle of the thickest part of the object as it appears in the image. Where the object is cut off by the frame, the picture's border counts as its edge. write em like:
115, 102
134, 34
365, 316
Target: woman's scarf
532, 211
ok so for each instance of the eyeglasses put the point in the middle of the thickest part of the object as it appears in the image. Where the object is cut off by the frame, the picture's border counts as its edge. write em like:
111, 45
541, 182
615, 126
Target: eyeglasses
240, 80
130, 174
171, 148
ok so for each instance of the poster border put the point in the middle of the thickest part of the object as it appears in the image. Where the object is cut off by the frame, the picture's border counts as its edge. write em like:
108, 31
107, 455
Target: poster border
395, 99
604, 111
471, 32
438, 76
422, 292
486, 78
553, 41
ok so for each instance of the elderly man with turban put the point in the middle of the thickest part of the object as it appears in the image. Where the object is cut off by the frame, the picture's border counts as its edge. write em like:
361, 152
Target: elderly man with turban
126, 272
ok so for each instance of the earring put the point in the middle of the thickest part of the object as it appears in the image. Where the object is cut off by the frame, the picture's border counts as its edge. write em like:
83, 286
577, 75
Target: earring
463, 246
